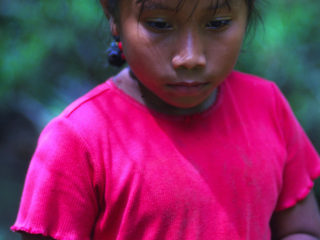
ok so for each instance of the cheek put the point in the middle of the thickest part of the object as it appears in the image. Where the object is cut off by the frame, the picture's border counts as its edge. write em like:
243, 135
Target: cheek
143, 64
147, 59
223, 55
151, 47
231, 46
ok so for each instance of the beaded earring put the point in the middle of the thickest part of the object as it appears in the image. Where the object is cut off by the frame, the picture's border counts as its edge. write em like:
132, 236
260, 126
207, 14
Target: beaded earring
115, 54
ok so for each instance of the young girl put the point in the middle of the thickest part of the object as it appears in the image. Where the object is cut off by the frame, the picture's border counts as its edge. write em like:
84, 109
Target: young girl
177, 146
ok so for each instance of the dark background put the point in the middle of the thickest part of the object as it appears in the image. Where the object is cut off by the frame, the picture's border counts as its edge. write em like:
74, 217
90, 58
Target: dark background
52, 52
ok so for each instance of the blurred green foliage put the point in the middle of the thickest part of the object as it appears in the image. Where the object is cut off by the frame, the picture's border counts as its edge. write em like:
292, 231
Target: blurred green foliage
54, 51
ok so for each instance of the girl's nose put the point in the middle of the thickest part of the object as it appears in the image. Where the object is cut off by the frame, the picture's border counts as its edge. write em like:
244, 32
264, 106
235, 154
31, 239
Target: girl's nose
189, 52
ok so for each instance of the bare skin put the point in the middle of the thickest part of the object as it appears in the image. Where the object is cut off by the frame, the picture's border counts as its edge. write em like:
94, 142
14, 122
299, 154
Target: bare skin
299, 222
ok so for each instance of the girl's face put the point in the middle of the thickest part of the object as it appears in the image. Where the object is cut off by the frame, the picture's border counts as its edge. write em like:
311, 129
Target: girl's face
181, 53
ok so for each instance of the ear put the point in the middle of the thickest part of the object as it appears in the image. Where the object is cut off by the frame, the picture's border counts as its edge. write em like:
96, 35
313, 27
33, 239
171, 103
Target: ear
104, 6
113, 27
112, 23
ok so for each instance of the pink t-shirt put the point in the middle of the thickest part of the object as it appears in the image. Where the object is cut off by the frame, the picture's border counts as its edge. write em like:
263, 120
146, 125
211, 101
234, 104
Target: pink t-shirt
109, 168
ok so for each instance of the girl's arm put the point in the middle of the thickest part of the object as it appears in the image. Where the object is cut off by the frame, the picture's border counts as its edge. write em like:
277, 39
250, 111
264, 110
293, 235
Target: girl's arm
300, 237
301, 222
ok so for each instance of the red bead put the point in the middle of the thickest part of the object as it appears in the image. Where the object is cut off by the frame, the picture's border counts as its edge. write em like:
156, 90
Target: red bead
120, 45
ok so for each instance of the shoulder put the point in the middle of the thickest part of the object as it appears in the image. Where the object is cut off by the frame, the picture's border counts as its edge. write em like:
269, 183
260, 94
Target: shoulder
84, 121
87, 102
89, 113
252, 91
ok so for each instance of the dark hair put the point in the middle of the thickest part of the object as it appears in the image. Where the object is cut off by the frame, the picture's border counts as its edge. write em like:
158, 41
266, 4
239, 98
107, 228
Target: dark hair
113, 9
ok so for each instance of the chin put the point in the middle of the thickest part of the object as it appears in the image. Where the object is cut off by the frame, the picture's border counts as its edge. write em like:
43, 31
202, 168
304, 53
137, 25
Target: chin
194, 104
188, 105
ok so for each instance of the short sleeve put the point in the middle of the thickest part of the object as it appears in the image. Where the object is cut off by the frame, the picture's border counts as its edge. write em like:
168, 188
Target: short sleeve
59, 199
302, 165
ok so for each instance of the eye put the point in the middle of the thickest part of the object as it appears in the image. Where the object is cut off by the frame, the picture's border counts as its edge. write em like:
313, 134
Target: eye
159, 24
218, 24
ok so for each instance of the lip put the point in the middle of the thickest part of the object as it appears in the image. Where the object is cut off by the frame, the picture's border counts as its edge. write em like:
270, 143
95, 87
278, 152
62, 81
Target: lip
188, 88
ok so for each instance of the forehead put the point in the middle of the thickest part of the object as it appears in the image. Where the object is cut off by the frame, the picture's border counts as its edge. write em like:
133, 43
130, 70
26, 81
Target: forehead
176, 5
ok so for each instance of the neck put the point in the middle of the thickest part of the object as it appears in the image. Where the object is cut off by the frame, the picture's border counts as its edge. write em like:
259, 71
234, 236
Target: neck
130, 84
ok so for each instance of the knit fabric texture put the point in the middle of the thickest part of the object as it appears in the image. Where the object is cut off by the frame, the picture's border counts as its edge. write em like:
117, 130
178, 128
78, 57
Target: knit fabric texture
109, 168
